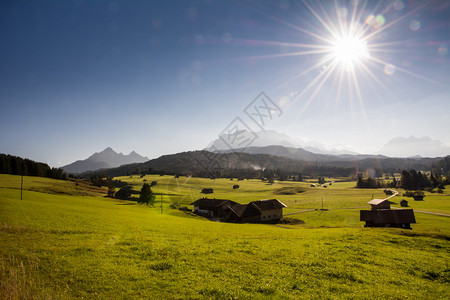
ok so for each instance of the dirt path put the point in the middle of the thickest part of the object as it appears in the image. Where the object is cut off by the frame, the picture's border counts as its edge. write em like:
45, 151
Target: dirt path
393, 195
427, 212
298, 212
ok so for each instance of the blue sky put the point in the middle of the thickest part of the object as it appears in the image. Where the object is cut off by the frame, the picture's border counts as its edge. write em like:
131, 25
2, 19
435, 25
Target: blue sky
162, 77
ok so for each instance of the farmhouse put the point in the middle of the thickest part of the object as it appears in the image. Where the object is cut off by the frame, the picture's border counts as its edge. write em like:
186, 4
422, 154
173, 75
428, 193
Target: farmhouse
257, 211
381, 215
270, 210
216, 208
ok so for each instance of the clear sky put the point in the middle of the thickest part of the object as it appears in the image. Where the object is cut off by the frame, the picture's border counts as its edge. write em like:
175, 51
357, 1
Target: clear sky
162, 77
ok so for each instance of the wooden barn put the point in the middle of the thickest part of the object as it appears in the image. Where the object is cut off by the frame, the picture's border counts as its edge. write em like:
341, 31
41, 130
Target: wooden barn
216, 208
381, 215
379, 204
261, 211
270, 210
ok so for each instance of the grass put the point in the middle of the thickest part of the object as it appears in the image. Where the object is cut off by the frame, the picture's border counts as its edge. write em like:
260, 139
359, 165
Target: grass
71, 246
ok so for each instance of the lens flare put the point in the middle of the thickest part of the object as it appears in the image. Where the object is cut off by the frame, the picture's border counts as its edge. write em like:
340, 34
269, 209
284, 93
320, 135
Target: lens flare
349, 50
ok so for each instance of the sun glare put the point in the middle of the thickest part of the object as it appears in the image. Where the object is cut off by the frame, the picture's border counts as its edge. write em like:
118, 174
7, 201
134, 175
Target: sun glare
349, 50
350, 37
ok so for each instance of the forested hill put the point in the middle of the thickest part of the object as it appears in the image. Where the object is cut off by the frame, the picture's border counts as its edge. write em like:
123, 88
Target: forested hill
15, 165
206, 164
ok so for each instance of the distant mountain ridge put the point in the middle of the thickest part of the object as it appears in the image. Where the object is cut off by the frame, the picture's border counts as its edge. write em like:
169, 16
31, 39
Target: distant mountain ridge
108, 158
246, 165
414, 147
301, 154
269, 138
397, 147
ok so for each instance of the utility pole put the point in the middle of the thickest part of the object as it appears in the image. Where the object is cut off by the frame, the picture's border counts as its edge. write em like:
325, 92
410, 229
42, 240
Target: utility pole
21, 187
322, 203
161, 204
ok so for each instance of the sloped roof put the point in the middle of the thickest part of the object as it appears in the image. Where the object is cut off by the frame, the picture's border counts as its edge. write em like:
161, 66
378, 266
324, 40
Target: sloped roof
268, 204
237, 208
212, 202
396, 216
377, 201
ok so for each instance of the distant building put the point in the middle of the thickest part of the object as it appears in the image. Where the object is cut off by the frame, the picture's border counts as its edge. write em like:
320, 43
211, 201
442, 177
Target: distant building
380, 204
381, 215
216, 208
261, 211
257, 211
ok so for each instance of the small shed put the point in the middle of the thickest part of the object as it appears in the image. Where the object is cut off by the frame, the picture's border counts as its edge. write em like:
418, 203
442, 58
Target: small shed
403, 203
380, 204
207, 191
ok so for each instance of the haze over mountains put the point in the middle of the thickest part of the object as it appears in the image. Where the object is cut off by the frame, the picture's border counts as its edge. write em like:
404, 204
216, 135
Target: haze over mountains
273, 143
412, 146
272, 137
397, 147
108, 158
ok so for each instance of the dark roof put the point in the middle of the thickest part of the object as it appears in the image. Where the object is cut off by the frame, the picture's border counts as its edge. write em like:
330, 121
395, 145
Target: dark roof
268, 204
237, 208
212, 202
397, 216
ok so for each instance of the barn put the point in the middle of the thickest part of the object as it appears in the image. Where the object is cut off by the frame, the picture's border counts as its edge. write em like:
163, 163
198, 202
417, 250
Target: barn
216, 208
381, 215
270, 210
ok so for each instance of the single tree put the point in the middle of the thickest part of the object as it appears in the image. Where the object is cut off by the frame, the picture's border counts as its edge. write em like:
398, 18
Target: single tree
111, 191
146, 195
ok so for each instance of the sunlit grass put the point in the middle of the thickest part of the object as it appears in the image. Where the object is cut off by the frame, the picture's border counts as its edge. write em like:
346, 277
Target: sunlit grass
65, 246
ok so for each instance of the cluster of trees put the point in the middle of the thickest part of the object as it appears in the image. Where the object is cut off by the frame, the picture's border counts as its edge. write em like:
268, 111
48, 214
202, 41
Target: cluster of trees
321, 180
442, 167
15, 165
413, 180
372, 183
146, 195
410, 180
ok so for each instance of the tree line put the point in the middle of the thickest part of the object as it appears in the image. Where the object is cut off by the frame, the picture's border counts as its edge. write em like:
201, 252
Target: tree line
15, 165
410, 180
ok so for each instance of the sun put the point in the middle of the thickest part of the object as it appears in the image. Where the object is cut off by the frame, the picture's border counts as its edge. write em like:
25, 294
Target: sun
349, 50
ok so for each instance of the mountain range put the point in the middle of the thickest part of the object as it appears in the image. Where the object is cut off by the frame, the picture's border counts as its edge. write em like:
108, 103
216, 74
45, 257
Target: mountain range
272, 137
108, 158
248, 165
276, 144
396, 147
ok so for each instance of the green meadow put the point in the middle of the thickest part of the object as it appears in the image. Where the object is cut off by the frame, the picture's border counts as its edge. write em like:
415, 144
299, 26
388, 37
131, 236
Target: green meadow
66, 240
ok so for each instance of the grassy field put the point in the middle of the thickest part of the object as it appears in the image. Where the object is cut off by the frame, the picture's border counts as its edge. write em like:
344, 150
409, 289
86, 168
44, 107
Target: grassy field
66, 244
